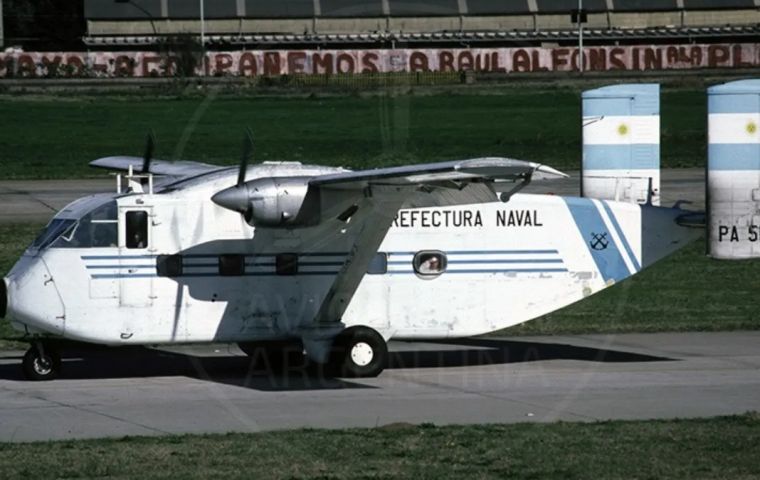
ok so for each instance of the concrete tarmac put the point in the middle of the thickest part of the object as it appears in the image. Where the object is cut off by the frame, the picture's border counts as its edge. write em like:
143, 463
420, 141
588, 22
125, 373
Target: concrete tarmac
483, 380
38, 200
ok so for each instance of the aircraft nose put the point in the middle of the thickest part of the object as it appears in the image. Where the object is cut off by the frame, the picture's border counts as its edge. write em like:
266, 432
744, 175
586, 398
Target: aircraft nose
3, 298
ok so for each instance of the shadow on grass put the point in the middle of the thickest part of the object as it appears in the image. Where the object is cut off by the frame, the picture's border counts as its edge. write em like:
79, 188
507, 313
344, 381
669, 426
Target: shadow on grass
300, 375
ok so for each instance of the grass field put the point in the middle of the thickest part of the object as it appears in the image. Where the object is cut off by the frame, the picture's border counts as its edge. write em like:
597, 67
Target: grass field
720, 448
55, 137
685, 292
679, 293
14, 238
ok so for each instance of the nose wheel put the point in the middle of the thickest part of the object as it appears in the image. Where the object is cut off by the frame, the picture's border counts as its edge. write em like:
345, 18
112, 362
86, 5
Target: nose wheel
41, 363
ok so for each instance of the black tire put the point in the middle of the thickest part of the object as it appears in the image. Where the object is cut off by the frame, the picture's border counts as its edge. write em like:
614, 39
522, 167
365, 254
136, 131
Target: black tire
359, 352
41, 367
275, 355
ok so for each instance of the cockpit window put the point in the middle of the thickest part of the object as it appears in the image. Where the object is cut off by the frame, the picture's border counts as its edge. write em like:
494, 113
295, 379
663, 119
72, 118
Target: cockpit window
55, 228
98, 228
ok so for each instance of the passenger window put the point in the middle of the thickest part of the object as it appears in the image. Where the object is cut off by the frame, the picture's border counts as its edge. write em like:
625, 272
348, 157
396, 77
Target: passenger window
430, 263
169, 265
137, 229
379, 264
286, 264
231, 265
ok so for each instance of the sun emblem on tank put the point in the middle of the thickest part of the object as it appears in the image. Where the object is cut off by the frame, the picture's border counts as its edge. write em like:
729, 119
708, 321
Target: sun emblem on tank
751, 127
622, 130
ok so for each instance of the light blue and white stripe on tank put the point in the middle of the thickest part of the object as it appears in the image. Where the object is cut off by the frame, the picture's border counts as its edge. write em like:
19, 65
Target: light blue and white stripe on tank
733, 169
621, 143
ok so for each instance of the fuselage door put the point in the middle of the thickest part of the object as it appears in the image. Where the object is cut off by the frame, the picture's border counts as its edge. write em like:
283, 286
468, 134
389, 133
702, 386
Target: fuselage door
136, 259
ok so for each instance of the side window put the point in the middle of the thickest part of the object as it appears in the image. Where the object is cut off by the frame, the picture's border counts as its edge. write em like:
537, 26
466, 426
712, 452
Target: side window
104, 226
99, 228
137, 229
286, 264
430, 263
379, 264
104, 233
169, 265
54, 230
231, 265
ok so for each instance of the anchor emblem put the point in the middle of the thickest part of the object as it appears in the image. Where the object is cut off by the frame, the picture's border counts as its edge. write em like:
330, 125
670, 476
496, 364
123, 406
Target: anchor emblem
599, 241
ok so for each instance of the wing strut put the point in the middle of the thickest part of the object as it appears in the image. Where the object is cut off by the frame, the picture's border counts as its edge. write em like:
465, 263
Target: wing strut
367, 241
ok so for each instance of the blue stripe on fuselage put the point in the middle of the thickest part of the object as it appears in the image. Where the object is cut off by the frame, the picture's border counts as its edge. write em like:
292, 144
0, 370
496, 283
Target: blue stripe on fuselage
621, 235
589, 221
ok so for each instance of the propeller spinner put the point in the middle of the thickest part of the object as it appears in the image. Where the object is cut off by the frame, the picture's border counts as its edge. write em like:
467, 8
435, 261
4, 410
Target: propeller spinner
264, 201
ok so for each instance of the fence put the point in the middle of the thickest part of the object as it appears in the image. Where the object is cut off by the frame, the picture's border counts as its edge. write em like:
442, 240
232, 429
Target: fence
428, 63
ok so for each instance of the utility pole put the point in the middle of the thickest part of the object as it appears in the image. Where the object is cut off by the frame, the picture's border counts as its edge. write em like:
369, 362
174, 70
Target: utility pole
2, 33
580, 35
579, 16
203, 42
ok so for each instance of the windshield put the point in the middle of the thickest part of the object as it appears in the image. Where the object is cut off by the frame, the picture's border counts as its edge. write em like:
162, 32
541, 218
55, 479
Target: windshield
98, 228
54, 230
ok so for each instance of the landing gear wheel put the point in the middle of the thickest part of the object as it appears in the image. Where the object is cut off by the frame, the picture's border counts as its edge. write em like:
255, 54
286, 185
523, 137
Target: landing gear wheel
41, 363
359, 352
275, 355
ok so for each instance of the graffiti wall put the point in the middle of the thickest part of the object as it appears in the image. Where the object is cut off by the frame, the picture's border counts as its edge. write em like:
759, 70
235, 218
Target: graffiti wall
290, 62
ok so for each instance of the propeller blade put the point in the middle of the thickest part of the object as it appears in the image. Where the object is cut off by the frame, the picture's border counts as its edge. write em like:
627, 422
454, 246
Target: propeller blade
246, 156
149, 144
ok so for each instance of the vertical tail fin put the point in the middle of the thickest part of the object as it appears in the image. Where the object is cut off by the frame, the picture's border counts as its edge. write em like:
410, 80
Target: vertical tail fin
733, 169
621, 143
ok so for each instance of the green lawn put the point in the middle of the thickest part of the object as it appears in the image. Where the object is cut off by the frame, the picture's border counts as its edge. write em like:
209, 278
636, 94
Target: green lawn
719, 448
54, 137
687, 291
14, 238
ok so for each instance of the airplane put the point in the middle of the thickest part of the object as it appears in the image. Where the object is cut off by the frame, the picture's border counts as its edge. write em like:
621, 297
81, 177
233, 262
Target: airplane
332, 263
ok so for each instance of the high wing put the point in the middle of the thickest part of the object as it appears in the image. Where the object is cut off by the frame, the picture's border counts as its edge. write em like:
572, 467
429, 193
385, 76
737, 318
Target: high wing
458, 182
493, 168
311, 200
352, 211
157, 167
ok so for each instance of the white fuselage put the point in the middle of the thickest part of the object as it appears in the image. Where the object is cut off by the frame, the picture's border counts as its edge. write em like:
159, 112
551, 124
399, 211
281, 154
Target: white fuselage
506, 263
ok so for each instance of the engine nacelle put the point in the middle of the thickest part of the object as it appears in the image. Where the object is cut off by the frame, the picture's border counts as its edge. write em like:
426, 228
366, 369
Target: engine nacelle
275, 201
